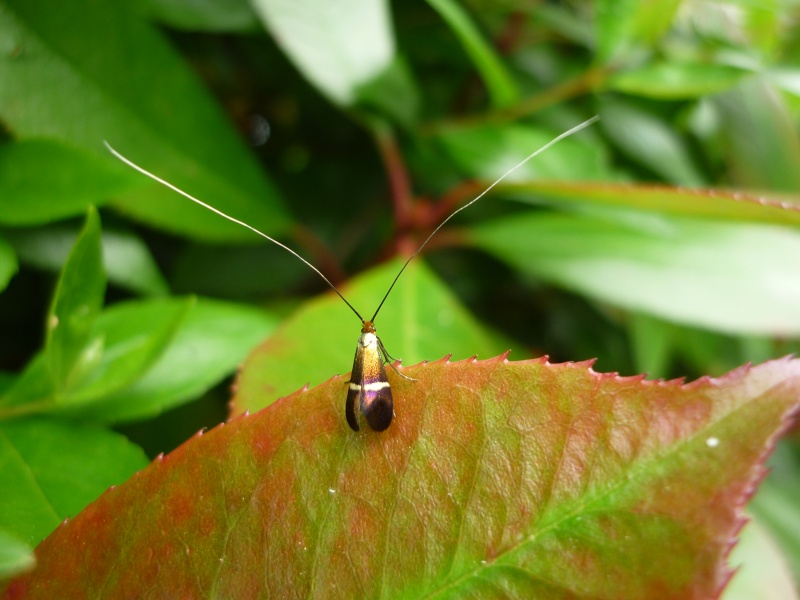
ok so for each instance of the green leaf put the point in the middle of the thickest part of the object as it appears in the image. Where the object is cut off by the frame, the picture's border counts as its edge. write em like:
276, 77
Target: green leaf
50, 470
649, 141
653, 19
566, 23
126, 258
763, 573
650, 343
129, 349
757, 30
15, 556
716, 204
522, 479
613, 21
139, 95
625, 26
759, 137
77, 301
130, 265
139, 371
209, 344
763, 25
775, 503
33, 391
498, 81
43, 181
729, 277
420, 320
392, 93
6, 380
677, 81
659, 346
8, 263
339, 47
784, 78
227, 16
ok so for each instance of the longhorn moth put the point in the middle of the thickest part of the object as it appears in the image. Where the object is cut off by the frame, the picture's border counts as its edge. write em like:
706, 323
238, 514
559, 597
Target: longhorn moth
369, 395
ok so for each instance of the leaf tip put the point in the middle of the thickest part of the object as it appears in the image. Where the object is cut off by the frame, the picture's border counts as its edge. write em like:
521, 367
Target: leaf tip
588, 364
239, 417
637, 378
445, 360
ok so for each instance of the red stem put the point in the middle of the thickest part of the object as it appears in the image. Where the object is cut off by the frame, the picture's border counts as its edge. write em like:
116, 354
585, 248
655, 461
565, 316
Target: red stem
399, 183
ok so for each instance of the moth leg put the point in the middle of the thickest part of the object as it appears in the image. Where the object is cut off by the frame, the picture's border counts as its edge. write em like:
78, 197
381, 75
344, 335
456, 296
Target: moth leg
388, 359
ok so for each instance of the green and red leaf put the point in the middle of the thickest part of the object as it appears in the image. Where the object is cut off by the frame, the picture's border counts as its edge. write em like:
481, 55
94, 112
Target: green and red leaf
522, 479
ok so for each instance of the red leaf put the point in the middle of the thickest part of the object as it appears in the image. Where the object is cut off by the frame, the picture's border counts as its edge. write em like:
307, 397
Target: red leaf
496, 478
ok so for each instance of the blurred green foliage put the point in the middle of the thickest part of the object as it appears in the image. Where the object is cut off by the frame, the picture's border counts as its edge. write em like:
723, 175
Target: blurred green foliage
350, 133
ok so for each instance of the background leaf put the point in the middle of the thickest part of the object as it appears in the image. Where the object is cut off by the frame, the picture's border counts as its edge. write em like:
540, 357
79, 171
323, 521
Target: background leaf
719, 205
15, 556
650, 142
673, 80
359, 44
43, 181
526, 477
8, 263
764, 573
764, 149
77, 302
774, 504
133, 375
614, 27
55, 469
128, 351
56, 49
681, 270
204, 15
126, 258
498, 82
210, 343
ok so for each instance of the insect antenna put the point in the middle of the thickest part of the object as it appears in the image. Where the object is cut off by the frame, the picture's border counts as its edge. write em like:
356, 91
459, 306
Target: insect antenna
230, 218
552, 142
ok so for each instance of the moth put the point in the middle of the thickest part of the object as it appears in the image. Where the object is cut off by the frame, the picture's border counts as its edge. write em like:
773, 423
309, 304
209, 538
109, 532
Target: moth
369, 395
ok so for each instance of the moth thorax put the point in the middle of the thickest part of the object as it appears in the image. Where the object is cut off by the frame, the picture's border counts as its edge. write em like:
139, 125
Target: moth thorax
368, 339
